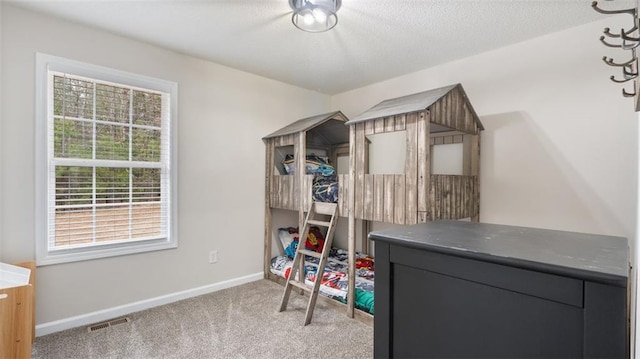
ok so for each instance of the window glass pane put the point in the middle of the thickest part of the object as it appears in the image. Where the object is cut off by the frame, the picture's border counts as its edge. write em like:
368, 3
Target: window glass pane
73, 226
72, 98
112, 223
72, 139
147, 108
112, 103
147, 185
73, 186
146, 145
112, 142
147, 220
112, 185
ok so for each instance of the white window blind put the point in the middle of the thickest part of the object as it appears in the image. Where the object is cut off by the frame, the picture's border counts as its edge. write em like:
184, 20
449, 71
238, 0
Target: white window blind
108, 166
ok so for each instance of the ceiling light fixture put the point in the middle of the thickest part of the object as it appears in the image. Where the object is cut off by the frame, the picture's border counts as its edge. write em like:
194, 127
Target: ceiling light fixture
315, 15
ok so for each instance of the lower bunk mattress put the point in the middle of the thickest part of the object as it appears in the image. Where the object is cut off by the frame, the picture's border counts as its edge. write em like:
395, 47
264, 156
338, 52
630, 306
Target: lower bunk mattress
335, 277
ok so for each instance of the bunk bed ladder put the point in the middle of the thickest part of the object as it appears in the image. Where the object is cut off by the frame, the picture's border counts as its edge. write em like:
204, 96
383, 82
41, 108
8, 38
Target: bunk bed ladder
297, 274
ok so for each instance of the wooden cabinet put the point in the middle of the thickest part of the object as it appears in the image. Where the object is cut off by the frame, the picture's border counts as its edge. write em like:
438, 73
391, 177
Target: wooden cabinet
17, 321
460, 289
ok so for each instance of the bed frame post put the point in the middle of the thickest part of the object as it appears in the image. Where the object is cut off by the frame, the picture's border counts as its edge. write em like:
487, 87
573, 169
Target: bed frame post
471, 167
268, 225
351, 237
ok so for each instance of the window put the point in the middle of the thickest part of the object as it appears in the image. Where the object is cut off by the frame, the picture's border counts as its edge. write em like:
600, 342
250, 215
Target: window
105, 162
387, 153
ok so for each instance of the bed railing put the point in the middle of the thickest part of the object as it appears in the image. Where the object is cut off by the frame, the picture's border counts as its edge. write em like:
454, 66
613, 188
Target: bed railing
386, 198
284, 193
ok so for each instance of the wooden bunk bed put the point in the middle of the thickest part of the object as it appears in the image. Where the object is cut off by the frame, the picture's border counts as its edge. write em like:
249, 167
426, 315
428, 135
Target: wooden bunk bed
431, 118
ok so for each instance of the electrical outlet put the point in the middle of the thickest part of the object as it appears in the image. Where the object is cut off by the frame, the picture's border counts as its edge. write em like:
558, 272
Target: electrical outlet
213, 256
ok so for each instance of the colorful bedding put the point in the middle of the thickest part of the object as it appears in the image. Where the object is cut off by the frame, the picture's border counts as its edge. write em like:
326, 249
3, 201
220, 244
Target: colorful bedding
325, 181
334, 279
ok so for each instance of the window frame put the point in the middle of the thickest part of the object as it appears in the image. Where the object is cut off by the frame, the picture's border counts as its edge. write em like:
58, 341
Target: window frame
44, 65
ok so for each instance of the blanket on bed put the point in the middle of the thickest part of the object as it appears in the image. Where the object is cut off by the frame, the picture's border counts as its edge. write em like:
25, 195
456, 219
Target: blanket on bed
334, 280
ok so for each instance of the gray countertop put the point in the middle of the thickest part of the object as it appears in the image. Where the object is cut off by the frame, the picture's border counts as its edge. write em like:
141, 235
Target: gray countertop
585, 256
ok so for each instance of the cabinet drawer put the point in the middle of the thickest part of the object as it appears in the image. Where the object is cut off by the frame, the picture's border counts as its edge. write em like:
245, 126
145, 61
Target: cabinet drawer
542, 285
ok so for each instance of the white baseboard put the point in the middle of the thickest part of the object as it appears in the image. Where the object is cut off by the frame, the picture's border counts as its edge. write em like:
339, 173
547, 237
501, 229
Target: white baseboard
106, 314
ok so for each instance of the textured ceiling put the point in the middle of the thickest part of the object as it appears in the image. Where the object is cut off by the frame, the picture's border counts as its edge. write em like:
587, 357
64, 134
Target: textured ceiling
373, 41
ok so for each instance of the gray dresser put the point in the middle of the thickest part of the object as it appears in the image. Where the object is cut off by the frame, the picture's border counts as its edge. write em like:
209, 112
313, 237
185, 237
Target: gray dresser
451, 289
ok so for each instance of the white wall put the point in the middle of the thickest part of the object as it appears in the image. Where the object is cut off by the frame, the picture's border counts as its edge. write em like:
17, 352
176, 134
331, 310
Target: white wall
223, 114
560, 145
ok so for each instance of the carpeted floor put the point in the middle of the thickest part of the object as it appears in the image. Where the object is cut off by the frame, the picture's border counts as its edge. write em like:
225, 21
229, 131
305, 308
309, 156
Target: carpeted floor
239, 322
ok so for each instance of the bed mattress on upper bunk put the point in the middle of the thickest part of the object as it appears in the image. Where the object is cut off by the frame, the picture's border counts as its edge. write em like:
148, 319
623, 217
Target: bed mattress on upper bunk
335, 280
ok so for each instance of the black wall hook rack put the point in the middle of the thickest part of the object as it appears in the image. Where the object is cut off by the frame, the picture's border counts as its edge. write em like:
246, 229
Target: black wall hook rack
625, 39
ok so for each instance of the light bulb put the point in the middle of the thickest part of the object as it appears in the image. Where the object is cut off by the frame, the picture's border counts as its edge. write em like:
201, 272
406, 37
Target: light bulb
308, 19
319, 15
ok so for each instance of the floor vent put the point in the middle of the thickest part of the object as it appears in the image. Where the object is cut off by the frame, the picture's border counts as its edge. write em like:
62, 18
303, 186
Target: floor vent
107, 324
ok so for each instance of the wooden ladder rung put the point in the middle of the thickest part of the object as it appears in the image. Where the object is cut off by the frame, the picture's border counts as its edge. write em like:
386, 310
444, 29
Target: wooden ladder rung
325, 208
310, 253
319, 223
300, 285
298, 266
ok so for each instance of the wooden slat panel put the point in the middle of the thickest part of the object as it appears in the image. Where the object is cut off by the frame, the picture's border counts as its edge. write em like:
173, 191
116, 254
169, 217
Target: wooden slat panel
389, 204
423, 161
379, 203
378, 125
399, 198
437, 206
475, 171
411, 171
444, 111
450, 202
368, 128
278, 141
291, 195
268, 186
400, 122
458, 195
306, 195
351, 228
476, 197
453, 196
269, 171
468, 118
300, 155
343, 193
286, 140
455, 110
360, 164
443, 140
447, 111
276, 190
422, 217
285, 191
389, 124
276, 187
368, 197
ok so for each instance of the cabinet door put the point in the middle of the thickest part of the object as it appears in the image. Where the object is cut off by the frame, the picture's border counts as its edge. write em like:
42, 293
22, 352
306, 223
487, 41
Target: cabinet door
436, 316
16, 322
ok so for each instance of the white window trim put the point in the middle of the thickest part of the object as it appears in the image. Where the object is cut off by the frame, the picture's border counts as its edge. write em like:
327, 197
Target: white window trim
46, 63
